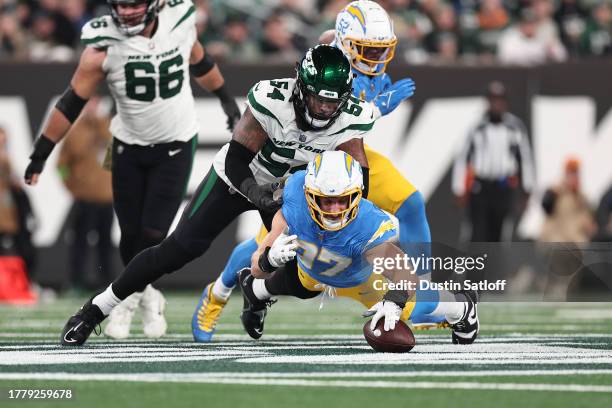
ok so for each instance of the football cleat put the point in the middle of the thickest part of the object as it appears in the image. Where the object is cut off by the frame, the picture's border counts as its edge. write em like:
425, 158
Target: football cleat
152, 305
120, 318
254, 310
206, 316
79, 327
466, 330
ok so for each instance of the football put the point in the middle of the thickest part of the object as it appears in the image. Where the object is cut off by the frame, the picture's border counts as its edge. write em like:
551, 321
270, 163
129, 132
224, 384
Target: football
399, 340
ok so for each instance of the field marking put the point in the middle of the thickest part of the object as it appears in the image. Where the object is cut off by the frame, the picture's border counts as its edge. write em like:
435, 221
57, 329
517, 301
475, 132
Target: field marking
419, 335
174, 378
368, 374
493, 354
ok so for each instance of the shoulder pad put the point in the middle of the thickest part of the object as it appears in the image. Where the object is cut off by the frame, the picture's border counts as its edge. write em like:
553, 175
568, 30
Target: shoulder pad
181, 12
100, 32
270, 98
357, 116
381, 227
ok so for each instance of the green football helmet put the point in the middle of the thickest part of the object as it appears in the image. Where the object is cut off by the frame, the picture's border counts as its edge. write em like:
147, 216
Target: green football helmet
323, 87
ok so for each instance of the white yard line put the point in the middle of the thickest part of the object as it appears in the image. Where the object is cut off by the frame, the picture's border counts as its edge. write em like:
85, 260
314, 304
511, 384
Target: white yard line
233, 379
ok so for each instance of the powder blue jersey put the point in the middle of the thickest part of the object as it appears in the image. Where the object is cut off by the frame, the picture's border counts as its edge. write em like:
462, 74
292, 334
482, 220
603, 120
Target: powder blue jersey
335, 258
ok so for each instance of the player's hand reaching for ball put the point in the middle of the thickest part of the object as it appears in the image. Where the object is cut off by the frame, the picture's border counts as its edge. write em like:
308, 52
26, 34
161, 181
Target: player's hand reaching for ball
386, 309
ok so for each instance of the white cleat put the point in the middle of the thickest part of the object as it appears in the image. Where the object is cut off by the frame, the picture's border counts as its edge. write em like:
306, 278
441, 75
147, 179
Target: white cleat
120, 318
152, 306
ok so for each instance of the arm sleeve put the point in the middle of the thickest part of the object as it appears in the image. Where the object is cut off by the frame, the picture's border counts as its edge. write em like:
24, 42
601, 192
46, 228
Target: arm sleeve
237, 163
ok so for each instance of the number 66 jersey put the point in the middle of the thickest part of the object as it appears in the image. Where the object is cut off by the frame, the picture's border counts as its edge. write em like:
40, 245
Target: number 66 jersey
289, 148
149, 77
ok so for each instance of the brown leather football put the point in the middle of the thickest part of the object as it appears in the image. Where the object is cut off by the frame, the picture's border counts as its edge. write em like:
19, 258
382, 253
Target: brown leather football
398, 340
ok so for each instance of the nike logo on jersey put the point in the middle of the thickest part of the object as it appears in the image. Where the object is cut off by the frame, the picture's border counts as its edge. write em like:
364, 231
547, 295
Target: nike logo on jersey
174, 152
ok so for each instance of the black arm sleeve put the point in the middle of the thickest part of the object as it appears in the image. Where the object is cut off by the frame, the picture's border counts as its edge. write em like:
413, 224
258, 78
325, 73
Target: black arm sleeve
70, 104
237, 164
366, 181
203, 66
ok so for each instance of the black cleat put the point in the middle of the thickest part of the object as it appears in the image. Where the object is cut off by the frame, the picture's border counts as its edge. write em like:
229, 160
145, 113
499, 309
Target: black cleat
254, 310
79, 327
466, 330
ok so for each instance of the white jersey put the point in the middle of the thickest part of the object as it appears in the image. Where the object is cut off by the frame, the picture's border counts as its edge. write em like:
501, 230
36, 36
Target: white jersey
149, 77
288, 148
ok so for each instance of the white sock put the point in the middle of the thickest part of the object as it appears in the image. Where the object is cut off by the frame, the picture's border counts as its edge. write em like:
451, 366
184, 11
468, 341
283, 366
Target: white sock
450, 306
220, 291
259, 289
106, 300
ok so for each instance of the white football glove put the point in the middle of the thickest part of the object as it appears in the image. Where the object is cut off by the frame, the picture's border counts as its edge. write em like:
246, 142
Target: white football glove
387, 309
282, 250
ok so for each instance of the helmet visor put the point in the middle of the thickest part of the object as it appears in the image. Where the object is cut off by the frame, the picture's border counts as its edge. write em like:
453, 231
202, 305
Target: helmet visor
369, 56
333, 212
320, 107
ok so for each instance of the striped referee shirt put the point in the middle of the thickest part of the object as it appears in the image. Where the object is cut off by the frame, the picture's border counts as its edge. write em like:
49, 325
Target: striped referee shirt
494, 152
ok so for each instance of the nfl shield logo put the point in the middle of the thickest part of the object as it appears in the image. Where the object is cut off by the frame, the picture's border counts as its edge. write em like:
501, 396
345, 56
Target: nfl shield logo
302, 137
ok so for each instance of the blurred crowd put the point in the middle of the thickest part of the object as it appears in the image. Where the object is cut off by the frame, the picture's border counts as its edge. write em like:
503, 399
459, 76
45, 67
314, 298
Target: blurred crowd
520, 32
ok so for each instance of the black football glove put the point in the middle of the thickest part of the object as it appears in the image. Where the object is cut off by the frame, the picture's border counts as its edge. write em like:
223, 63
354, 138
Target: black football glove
35, 166
232, 112
43, 146
262, 196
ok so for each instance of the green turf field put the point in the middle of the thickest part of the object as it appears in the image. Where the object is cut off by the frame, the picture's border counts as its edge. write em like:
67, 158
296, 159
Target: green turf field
531, 355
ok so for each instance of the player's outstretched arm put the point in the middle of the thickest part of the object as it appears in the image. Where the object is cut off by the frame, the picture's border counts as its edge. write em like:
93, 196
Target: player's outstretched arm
274, 250
208, 76
248, 139
390, 308
83, 85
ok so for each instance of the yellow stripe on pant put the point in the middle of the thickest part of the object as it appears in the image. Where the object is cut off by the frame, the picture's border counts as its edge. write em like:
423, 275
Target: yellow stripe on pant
365, 293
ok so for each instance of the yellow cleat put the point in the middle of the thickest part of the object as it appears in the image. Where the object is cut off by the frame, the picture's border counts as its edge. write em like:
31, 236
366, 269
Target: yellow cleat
206, 316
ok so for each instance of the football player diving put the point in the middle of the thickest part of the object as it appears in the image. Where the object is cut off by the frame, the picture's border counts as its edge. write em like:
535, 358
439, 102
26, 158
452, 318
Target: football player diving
287, 122
326, 236
369, 51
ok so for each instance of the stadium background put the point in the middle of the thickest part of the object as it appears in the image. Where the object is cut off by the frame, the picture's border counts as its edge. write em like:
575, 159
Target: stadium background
565, 105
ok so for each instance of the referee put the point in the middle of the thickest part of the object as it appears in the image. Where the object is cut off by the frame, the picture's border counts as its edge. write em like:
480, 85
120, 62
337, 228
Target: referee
495, 163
